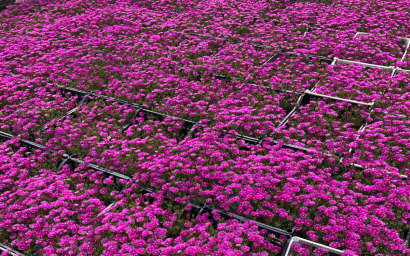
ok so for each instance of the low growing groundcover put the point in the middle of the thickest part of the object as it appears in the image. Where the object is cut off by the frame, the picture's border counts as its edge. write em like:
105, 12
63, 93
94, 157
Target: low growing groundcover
232, 127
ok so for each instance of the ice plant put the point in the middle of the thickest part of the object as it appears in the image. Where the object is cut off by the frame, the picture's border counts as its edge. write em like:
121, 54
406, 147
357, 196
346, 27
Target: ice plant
204, 127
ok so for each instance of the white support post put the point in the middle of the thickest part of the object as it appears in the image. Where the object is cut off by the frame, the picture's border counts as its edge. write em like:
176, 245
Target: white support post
361, 33
350, 62
299, 240
406, 39
308, 92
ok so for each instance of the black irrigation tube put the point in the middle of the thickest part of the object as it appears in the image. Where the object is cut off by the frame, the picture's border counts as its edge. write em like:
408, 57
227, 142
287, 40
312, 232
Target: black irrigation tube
311, 56
206, 208
197, 210
261, 226
222, 77
294, 147
67, 158
70, 112
70, 159
269, 228
82, 93
123, 102
101, 169
247, 139
6, 136
28, 143
303, 99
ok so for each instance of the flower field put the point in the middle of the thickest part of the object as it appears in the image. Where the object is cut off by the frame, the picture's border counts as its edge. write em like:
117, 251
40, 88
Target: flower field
188, 127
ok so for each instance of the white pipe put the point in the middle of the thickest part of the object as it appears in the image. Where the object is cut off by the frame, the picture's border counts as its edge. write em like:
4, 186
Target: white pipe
299, 240
337, 98
350, 62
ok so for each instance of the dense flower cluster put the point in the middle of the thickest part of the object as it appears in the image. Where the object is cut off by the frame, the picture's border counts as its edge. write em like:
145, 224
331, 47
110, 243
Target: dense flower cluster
162, 90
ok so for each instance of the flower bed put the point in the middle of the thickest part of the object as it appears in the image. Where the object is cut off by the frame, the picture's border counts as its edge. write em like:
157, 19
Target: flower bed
175, 229
289, 71
46, 208
359, 83
405, 61
28, 108
204, 127
263, 187
321, 124
385, 140
61, 213
237, 60
322, 41
93, 122
375, 49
